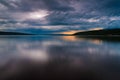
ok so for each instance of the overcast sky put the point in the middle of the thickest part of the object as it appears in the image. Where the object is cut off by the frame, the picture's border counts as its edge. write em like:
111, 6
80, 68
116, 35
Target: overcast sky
59, 15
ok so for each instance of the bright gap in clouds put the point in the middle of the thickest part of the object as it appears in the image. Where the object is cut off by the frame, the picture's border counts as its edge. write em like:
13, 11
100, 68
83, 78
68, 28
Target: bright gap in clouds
37, 14
33, 15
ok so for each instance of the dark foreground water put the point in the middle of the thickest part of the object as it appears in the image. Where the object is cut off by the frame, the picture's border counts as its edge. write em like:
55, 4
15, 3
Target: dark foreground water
58, 58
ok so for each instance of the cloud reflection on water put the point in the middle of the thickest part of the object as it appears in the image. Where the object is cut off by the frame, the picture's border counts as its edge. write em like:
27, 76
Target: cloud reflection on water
40, 57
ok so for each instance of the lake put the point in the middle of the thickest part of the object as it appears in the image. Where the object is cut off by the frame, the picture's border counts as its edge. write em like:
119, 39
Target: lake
58, 58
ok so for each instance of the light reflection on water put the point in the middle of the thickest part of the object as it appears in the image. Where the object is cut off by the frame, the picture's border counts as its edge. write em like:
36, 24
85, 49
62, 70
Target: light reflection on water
56, 57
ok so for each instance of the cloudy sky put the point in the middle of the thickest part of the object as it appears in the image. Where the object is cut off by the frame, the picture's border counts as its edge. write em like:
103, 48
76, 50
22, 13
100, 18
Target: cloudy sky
58, 15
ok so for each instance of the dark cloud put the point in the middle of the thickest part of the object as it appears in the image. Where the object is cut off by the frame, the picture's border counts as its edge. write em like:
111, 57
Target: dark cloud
29, 5
63, 12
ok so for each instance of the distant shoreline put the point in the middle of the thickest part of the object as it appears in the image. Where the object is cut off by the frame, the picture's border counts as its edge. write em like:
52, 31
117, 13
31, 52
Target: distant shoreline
104, 32
13, 33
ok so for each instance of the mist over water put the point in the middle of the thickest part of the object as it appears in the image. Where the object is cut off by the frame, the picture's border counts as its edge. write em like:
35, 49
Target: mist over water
58, 58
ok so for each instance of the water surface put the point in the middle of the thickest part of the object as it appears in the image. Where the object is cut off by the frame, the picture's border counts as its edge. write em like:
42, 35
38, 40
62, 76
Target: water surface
58, 58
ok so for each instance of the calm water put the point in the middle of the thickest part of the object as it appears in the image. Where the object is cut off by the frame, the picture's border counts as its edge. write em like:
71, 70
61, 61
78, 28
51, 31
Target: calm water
58, 58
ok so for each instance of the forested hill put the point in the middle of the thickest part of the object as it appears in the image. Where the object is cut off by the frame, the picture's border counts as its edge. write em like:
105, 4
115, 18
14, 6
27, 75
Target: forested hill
104, 32
13, 33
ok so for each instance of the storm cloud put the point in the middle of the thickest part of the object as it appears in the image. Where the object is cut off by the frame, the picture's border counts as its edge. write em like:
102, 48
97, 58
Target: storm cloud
84, 14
